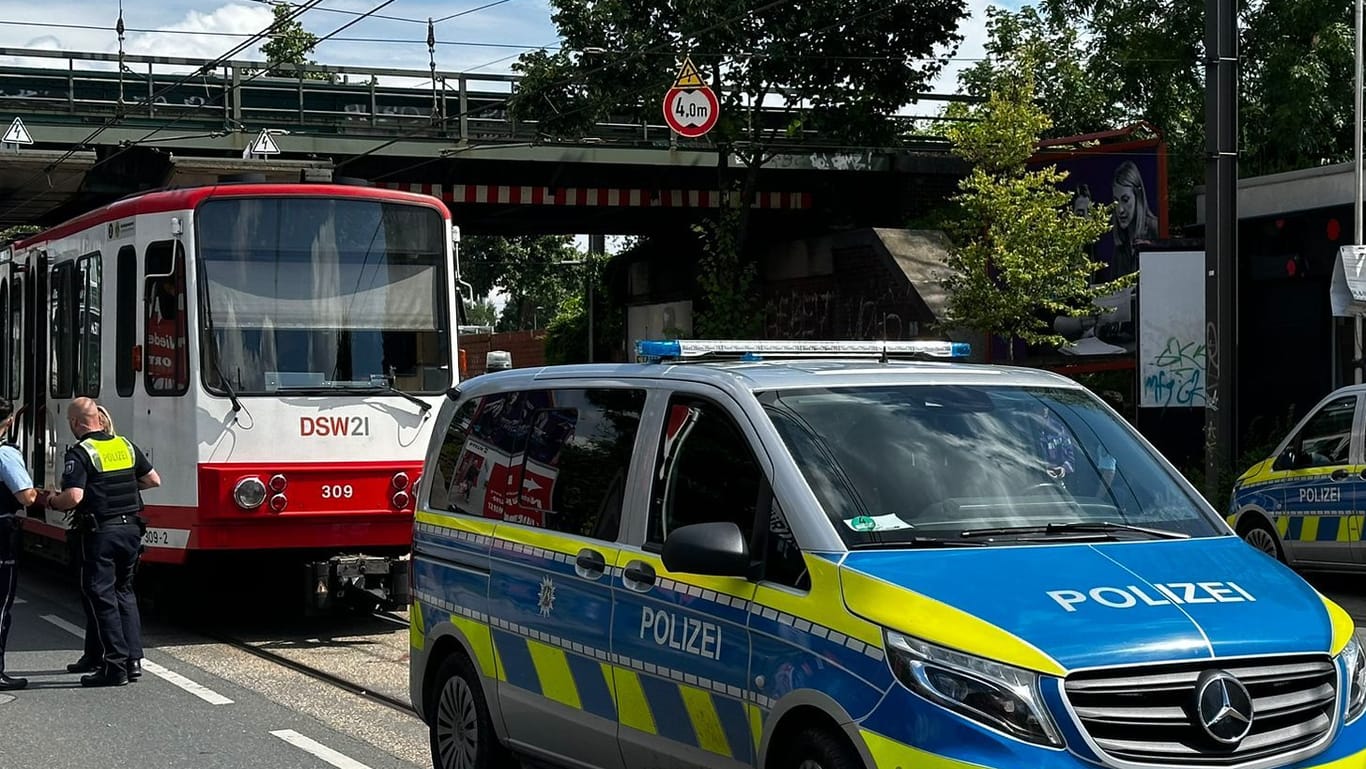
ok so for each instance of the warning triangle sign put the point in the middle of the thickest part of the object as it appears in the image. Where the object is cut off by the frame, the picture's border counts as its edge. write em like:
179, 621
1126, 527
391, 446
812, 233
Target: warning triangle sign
264, 145
17, 134
688, 76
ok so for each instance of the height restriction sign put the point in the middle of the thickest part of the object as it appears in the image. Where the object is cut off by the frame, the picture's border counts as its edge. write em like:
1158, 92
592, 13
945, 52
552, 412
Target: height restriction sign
690, 107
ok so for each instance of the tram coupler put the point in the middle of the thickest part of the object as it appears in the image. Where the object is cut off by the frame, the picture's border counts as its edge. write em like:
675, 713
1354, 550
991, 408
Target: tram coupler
357, 581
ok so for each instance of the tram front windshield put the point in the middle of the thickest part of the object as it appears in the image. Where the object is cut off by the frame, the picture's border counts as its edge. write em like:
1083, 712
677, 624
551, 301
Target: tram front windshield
323, 295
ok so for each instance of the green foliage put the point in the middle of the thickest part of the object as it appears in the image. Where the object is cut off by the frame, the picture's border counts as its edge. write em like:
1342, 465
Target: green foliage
1262, 438
289, 43
1020, 253
567, 335
1050, 48
481, 313
811, 56
730, 306
15, 232
530, 269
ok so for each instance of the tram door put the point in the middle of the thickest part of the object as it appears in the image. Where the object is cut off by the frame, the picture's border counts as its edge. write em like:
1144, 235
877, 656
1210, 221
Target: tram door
34, 366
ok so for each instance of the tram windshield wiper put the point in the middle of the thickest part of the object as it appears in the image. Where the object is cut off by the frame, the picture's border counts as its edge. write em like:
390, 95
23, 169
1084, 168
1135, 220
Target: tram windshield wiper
387, 386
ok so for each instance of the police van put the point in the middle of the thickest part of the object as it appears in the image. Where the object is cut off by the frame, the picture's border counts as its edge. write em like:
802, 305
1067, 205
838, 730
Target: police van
828, 555
1305, 504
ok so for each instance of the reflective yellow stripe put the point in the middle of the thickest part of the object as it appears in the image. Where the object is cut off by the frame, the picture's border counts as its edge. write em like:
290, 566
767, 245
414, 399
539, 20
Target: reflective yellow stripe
1310, 529
919, 615
457, 522
416, 628
1283, 525
546, 540
557, 681
1349, 530
500, 671
1343, 627
109, 455
756, 724
823, 605
890, 753
633, 709
611, 684
481, 640
706, 722
734, 587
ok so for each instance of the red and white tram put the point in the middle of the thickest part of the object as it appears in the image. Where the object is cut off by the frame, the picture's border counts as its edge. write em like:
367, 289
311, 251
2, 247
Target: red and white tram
275, 349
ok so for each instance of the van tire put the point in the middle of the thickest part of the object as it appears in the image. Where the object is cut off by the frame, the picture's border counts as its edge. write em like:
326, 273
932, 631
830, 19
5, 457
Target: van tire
820, 749
461, 731
1261, 536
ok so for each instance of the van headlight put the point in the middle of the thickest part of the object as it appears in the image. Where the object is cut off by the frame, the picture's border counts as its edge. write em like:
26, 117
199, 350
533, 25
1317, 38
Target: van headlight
1002, 697
1354, 660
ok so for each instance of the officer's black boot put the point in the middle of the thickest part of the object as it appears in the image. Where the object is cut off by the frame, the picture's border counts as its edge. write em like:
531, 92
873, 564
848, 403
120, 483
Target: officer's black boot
83, 665
106, 677
8, 684
134, 670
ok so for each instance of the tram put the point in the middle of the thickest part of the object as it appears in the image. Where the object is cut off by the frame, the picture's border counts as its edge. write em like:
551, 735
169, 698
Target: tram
276, 351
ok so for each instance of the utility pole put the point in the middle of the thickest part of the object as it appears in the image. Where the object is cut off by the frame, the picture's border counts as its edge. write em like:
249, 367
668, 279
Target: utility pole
1221, 235
597, 246
1356, 188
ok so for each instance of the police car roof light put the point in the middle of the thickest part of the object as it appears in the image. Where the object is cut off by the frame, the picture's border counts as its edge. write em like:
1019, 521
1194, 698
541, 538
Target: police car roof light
658, 350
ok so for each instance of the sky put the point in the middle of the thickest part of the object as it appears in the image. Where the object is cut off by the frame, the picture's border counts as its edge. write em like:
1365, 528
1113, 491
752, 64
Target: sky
486, 40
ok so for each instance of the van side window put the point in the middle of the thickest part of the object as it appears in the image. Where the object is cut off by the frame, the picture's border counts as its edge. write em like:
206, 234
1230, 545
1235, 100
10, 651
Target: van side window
1326, 439
578, 452
706, 472
453, 463
783, 561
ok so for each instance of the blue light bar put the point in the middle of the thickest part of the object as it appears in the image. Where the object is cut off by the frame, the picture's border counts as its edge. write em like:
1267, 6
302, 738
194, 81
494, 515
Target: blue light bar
650, 350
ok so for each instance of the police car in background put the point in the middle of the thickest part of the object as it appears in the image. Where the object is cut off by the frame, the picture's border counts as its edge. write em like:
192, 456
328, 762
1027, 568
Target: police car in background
813, 555
1304, 505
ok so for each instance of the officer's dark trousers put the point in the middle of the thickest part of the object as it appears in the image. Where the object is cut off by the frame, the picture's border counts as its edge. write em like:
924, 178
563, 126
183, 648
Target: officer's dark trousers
9, 577
93, 651
109, 557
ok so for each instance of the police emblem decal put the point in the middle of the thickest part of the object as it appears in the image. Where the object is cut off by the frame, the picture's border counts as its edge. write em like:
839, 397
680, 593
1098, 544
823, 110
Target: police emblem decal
546, 599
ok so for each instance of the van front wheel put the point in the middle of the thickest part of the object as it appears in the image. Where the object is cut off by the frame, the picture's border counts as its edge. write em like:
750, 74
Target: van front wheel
821, 749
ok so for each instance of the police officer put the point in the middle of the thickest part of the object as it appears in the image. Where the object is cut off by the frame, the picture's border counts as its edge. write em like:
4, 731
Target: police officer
19, 485
90, 660
101, 482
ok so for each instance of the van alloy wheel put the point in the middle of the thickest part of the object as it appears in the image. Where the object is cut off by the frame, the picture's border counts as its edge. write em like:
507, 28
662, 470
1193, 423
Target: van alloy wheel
1262, 539
457, 726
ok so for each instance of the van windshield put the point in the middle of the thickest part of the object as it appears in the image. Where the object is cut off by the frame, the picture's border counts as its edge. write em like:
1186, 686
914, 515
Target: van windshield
950, 465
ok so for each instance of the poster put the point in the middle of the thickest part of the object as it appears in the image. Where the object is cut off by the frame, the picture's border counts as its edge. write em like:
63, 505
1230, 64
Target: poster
1132, 175
1171, 348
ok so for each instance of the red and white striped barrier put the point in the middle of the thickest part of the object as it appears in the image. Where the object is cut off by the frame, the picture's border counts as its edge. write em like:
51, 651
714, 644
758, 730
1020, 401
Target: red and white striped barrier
609, 197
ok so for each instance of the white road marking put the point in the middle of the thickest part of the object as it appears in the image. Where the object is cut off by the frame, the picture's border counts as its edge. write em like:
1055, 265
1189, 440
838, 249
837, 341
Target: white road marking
19, 602
202, 692
339, 760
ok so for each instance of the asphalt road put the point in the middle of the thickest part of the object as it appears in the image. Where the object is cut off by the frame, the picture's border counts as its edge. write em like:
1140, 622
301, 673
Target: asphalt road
199, 705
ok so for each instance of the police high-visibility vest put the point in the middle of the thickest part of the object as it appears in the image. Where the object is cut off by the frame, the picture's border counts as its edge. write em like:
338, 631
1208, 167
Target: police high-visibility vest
111, 488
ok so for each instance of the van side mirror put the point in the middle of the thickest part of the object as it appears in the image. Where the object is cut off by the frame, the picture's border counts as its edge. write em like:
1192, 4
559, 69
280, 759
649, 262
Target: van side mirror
711, 549
1287, 460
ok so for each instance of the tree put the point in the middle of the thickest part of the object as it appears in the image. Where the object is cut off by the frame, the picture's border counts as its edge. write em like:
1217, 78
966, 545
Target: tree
481, 313
289, 43
17, 231
1020, 254
1075, 100
530, 269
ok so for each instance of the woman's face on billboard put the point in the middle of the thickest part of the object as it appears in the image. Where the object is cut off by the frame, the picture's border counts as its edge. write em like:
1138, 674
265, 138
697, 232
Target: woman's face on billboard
1124, 205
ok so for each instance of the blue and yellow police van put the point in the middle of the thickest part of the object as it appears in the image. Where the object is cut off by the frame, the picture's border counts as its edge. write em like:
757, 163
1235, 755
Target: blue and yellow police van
1304, 504
829, 555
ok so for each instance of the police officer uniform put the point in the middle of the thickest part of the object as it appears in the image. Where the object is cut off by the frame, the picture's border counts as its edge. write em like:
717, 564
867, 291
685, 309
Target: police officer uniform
10, 533
107, 468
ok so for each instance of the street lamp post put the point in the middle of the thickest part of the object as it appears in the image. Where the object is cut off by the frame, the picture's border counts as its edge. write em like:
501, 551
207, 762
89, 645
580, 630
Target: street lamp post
1356, 187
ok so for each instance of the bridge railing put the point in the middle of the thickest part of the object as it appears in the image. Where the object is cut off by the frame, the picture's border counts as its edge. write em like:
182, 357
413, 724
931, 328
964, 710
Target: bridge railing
459, 106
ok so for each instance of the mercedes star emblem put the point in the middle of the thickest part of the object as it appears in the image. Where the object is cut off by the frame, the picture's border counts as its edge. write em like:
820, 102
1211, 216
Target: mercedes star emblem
1223, 707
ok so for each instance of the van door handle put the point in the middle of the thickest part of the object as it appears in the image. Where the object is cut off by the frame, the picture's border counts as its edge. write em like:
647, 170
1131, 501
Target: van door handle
638, 576
1339, 474
590, 564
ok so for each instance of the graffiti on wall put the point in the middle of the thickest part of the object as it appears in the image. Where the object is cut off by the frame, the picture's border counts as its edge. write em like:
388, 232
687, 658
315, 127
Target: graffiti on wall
1175, 375
868, 312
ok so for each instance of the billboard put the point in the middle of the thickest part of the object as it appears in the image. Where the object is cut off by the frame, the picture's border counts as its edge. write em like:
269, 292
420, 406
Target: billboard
1171, 352
1130, 171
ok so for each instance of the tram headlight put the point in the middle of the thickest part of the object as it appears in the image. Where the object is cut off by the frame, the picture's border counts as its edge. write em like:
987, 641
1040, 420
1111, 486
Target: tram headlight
249, 493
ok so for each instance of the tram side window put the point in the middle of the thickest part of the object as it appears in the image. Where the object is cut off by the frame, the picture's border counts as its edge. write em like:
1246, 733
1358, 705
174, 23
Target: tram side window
5, 331
125, 319
16, 339
166, 357
63, 304
90, 309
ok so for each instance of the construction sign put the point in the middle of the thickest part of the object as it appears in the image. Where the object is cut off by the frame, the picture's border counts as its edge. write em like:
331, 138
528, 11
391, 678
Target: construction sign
691, 108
